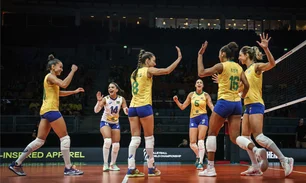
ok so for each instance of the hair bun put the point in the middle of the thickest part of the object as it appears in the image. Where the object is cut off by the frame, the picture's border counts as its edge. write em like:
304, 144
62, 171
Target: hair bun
51, 57
233, 46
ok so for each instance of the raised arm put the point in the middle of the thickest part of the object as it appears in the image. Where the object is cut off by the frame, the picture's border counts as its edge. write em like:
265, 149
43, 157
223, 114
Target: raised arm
67, 93
63, 83
124, 106
245, 83
185, 104
209, 102
264, 45
152, 71
202, 72
100, 102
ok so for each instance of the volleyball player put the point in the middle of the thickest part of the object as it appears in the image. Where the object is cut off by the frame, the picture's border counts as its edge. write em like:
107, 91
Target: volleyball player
109, 124
140, 110
51, 117
252, 122
229, 102
198, 124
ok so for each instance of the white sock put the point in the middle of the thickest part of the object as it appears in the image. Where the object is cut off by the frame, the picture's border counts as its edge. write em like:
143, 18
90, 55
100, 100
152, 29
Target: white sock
106, 147
33, 146
65, 149
201, 150
252, 154
210, 164
115, 149
135, 141
150, 150
277, 152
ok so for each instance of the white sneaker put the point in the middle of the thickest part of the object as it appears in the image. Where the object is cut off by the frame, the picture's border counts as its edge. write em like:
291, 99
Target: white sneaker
208, 173
114, 168
251, 171
261, 155
105, 168
287, 165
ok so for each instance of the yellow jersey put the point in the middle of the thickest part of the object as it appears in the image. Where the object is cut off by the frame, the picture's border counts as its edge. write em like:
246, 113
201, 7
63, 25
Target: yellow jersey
198, 104
141, 88
50, 97
228, 81
254, 94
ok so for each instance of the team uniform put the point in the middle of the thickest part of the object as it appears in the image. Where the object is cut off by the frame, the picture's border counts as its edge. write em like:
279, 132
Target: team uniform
198, 112
229, 102
110, 115
141, 104
50, 106
49, 111
253, 101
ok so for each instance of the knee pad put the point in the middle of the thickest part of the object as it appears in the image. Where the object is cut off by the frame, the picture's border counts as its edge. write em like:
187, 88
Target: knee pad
243, 142
115, 147
211, 144
149, 141
36, 144
135, 141
201, 144
65, 142
263, 140
107, 143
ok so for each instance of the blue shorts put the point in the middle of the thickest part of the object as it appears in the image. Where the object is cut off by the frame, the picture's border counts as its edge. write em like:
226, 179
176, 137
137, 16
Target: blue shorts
115, 126
198, 120
51, 116
141, 112
256, 108
226, 108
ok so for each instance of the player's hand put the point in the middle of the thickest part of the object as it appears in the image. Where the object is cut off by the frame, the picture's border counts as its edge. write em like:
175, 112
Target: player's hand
264, 40
99, 96
215, 78
175, 99
74, 68
203, 48
179, 53
79, 90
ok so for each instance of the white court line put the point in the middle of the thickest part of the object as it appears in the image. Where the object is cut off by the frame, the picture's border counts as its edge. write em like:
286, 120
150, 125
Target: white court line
279, 169
125, 179
292, 171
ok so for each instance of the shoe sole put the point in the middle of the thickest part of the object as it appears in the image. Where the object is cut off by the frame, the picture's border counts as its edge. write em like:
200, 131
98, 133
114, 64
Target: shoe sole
212, 175
12, 169
114, 169
134, 176
265, 164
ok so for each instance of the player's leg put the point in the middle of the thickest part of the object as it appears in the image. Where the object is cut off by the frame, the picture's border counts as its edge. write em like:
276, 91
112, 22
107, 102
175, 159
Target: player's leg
193, 135
202, 130
58, 125
115, 146
147, 123
106, 132
135, 127
43, 131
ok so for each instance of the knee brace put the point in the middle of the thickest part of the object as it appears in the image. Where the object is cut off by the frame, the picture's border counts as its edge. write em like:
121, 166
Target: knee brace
36, 144
211, 144
107, 143
243, 142
149, 141
65, 142
263, 140
201, 144
135, 141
